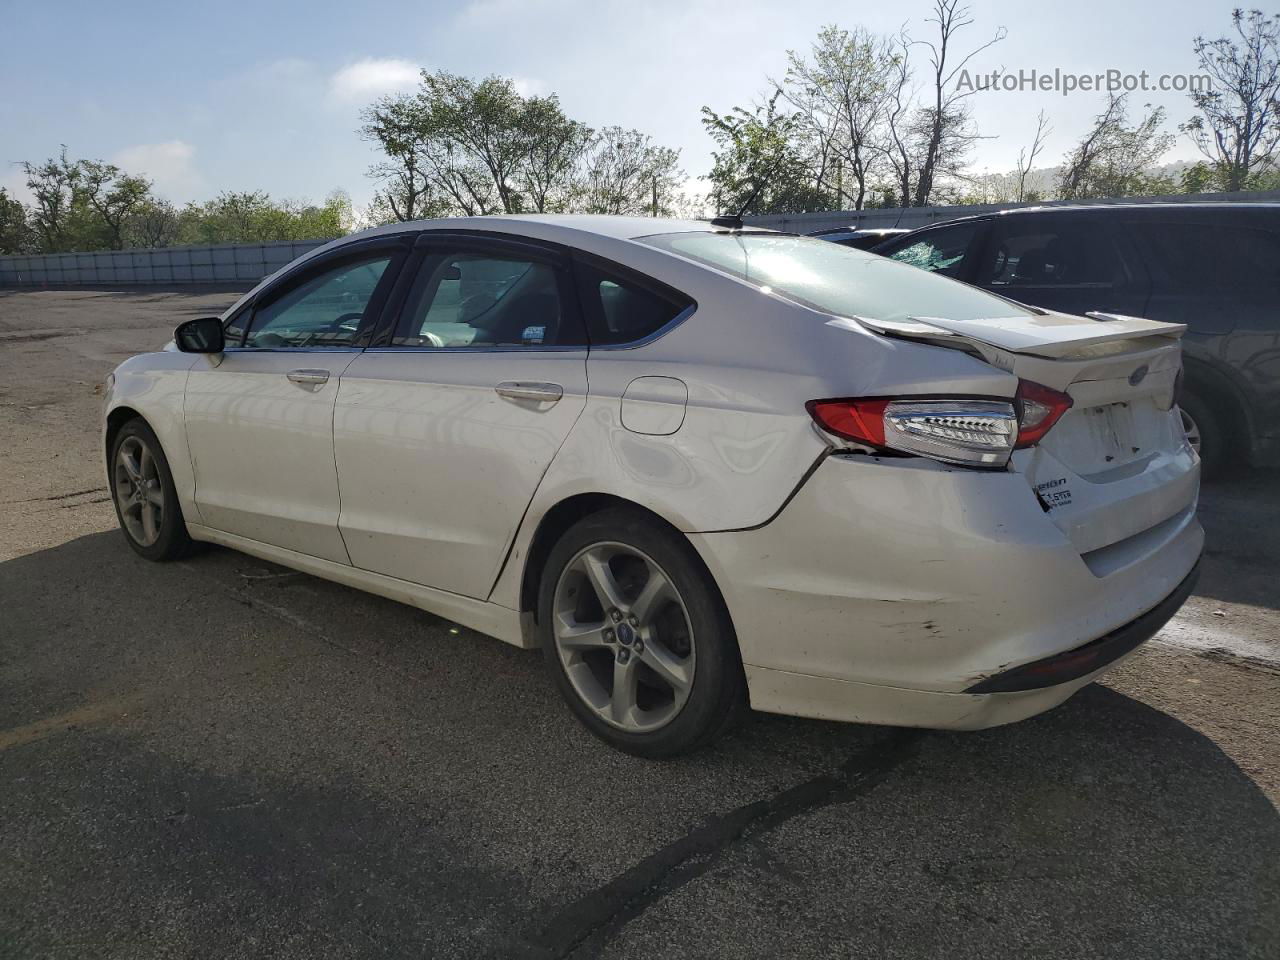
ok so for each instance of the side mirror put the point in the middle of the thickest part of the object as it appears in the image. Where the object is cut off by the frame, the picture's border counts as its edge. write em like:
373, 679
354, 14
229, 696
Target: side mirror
203, 335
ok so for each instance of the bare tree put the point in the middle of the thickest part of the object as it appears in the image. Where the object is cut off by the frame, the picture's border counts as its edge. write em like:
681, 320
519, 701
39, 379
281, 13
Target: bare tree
950, 131
900, 142
1027, 156
1238, 128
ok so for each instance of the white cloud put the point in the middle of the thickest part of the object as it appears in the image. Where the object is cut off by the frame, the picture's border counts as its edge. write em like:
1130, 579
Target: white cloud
372, 77
529, 86
169, 165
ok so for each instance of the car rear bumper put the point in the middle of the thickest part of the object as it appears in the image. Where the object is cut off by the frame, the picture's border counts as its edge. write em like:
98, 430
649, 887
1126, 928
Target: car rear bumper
898, 591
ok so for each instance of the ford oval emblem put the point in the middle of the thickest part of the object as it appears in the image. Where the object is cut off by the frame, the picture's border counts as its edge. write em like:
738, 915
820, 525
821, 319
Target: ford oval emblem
1138, 375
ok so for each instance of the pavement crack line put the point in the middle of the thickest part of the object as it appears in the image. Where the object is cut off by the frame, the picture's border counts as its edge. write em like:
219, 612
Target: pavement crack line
59, 496
584, 927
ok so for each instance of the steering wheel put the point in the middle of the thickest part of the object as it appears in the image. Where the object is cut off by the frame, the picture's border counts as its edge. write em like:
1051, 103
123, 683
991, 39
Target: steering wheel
348, 321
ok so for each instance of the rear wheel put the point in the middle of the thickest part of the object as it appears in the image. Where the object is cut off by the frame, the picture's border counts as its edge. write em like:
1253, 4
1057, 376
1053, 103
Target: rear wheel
1205, 432
637, 638
144, 496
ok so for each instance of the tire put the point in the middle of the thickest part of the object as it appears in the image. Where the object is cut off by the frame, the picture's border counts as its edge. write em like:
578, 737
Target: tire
136, 453
661, 677
1213, 444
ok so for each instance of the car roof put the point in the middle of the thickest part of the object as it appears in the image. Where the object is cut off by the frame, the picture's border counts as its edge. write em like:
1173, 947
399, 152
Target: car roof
564, 227
1217, 206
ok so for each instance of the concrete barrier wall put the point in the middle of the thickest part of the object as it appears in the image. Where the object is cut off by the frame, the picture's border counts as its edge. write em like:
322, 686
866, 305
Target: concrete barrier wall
232, 263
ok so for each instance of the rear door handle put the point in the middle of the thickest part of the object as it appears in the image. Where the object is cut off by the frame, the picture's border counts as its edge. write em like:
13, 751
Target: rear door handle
526, 390
309, 376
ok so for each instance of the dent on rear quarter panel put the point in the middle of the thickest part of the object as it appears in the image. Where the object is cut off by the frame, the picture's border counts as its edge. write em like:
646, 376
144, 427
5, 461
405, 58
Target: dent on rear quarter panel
154, 384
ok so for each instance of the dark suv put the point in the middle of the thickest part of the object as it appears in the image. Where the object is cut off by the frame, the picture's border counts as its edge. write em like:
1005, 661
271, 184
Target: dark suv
1213, 266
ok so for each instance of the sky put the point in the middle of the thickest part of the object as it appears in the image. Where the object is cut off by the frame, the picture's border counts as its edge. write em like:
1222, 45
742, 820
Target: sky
231, 95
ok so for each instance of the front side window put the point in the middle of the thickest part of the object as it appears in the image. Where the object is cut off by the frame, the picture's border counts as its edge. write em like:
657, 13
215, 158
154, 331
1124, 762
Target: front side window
836, 279
474, 299
1049, 255
324, 311
938, 251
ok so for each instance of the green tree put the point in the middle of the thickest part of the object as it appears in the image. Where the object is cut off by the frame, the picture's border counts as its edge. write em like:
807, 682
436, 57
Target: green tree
16, 235
759, 166
841, 93
1238, 125
623, 171
113, 196
1114, 159
474, 147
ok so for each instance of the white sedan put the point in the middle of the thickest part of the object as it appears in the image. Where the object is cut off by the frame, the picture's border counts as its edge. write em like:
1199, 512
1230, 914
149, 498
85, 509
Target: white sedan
700, 466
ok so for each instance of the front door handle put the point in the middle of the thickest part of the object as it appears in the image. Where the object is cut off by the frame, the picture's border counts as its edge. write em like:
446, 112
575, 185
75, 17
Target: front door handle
527, 390
314, 377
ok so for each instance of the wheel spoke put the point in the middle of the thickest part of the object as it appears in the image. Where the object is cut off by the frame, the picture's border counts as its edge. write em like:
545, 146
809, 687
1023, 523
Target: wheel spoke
150, 524
146, 465
595, 563
572, 635
134, 470
155, 496
657, 592
672, 671
622, 701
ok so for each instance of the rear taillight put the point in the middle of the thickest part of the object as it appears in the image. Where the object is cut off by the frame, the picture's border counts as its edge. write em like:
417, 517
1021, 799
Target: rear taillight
980, 433
1039, 408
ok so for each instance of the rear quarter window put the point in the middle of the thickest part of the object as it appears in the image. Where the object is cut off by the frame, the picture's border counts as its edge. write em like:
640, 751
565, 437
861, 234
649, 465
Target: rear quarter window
1198, 257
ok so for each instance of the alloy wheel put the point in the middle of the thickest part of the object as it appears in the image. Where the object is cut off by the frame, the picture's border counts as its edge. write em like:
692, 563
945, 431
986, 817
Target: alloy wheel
1191, 429
623, 636
139, 491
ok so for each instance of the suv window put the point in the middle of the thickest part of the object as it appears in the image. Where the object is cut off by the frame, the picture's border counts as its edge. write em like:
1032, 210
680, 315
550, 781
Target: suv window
622, 310
938, 251
1036, 254
474, 299
323, 311
1211, 256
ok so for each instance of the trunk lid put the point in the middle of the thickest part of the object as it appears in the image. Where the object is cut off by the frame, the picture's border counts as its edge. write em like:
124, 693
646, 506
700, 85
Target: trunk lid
1116, 468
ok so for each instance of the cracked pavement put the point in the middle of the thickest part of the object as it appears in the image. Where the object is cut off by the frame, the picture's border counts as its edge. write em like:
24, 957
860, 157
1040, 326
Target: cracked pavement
219, 757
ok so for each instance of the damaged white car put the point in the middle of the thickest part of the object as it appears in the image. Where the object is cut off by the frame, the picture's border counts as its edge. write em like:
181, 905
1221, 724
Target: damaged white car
701, 466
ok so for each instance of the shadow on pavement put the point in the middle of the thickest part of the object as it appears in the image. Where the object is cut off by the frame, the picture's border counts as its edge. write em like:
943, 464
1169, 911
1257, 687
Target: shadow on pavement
218, 757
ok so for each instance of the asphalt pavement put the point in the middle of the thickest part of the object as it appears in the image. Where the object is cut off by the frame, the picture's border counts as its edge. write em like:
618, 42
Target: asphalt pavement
223, 758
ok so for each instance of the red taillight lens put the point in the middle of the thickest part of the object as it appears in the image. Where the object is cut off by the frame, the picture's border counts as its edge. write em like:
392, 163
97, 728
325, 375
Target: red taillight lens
1039, 408
858, 420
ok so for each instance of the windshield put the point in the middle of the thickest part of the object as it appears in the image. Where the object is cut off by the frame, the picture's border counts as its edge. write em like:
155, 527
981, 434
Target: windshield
836, 279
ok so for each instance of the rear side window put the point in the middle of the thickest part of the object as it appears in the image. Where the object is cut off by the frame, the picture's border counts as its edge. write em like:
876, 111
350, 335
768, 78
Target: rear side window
1023, 253
475, 298
1192, 256
938, 251
623, 309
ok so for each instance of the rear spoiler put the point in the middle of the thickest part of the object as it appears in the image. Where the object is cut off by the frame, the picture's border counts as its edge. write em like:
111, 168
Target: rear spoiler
1052, 335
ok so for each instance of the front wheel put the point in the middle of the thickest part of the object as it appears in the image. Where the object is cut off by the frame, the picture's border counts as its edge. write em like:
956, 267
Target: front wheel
637, 638
144, 496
